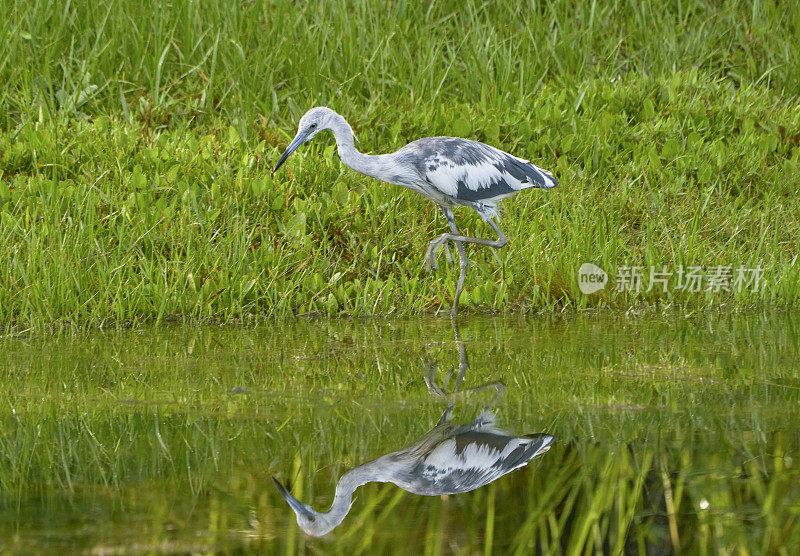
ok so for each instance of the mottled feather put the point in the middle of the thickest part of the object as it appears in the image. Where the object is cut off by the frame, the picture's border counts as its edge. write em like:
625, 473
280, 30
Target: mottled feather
468, 172
472, 459
449, 459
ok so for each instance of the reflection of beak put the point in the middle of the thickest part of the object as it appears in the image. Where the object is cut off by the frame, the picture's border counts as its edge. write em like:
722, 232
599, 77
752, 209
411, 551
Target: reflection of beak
293, 502
298, 140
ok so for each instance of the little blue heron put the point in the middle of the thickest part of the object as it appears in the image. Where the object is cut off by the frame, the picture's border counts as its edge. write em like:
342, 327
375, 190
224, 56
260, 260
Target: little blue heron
449, 459
450, 171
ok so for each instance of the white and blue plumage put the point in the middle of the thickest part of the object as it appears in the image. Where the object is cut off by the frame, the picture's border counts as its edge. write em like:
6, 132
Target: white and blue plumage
450, 171
449, 459
452, 459
461, 172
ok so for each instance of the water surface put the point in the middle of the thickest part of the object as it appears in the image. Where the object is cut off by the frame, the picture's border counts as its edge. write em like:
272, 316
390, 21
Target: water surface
672, 433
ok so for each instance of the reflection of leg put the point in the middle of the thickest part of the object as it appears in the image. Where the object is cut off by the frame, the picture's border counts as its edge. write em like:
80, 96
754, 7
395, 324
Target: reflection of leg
430, 380
500, 390
430, 368
462, 352
457, 393
445, 418
497, 386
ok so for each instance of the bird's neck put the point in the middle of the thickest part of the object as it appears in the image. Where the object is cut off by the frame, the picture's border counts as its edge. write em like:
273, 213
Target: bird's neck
369, 165
349, 482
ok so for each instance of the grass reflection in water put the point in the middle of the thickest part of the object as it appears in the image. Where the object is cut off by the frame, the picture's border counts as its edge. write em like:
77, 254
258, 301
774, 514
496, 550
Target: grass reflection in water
673, 433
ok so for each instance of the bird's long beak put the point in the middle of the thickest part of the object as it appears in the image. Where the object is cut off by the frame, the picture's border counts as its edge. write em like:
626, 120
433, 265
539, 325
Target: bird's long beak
294, 503
298, 140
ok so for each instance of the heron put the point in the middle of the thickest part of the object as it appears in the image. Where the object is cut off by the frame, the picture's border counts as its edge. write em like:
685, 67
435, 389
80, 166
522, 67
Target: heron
450, 171
449, 459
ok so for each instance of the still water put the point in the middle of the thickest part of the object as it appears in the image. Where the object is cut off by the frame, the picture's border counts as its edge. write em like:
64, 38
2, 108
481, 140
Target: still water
502, 435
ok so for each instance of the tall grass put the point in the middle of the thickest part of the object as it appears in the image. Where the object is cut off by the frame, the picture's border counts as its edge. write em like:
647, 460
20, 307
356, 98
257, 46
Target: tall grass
137, 140
185, 60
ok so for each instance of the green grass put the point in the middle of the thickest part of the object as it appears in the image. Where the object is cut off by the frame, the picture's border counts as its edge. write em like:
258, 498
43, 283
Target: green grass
136, 143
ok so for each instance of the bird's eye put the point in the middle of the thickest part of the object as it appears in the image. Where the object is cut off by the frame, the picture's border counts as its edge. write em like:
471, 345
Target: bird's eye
313, 126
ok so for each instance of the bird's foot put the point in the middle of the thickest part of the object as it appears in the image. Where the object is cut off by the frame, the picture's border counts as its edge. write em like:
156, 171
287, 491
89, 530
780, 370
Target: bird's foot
433, 247
430, 263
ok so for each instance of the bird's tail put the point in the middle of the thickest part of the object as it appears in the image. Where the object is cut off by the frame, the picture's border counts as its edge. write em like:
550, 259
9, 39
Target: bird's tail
549, 182
537, 445
541, 442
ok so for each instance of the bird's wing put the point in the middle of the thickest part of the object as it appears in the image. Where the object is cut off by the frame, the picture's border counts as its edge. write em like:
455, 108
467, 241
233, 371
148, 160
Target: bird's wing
474, 172
472, 459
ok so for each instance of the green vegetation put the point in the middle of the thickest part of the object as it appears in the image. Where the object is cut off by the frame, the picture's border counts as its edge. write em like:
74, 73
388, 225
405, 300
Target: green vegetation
670, 432
136, 143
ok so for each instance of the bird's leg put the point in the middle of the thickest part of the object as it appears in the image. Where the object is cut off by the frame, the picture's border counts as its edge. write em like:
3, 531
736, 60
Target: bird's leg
501, 240
430, 258
462, 254
436, 243
447, 254
459, 240
448, 213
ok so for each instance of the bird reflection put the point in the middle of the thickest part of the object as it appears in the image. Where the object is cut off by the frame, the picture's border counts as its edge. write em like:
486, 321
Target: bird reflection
449, 459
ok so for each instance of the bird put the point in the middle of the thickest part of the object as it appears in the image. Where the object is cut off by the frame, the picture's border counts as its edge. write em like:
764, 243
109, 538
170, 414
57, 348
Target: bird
450, 171
449, 459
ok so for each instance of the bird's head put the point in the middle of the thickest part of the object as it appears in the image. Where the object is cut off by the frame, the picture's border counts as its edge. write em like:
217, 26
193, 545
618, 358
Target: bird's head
310, 520
312, 122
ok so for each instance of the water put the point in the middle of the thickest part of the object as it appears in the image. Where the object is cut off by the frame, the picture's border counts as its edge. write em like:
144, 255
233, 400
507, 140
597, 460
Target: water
671, 433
